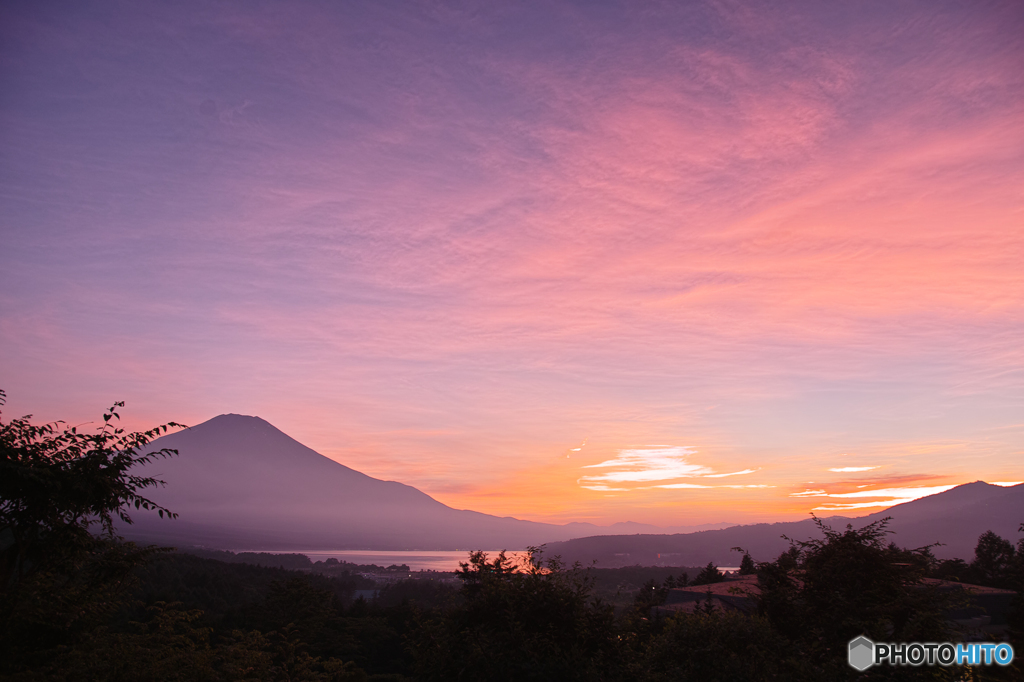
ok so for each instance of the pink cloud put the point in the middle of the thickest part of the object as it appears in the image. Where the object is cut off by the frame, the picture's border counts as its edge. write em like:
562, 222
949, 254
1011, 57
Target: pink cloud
442, 259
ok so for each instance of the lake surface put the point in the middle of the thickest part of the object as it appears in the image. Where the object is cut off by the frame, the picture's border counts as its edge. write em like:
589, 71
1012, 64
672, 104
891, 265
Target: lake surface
418, 560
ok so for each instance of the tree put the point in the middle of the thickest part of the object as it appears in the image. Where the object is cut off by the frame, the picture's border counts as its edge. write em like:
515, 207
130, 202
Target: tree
60, 492
709, 574
710, 645
824, 592
956, 570
651, 594
518, 620
993, 563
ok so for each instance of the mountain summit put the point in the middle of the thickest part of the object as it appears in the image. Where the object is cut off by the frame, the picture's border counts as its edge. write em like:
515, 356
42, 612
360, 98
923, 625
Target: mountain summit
239, 482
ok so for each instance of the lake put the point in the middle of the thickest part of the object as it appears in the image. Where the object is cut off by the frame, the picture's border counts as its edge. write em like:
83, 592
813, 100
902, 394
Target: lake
416, 560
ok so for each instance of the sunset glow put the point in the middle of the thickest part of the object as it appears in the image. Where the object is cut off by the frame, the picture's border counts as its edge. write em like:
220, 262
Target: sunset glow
677, 264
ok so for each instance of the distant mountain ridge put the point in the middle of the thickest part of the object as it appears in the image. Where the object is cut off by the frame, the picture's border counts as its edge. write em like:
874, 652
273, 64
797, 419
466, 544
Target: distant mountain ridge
954, 518
239, 482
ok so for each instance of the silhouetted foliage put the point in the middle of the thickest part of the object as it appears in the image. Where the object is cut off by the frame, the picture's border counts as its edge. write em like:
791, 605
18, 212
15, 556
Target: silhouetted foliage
710, 645
317, 611
708, 575
423, 594
171, 643
55, 485
822, 593
66, 606
62, 568
1015, 618
956, 570
221, 589
994, 562
533, 620
651, 594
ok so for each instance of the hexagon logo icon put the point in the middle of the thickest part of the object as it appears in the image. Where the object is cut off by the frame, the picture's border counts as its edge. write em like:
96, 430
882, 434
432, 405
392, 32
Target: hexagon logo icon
862, 653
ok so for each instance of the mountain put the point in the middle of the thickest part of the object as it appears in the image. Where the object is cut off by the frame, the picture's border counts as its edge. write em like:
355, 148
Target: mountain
240, 483
955, 518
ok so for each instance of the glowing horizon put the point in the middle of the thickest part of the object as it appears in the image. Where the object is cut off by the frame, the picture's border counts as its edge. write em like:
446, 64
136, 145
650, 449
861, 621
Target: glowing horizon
562, 262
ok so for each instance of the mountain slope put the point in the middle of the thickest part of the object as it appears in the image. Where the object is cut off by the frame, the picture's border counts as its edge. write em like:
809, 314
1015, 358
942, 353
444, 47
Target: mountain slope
239, 482
955, 518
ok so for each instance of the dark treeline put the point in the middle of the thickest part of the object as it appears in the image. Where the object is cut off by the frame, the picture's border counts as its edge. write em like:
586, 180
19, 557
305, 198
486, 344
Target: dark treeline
187, 617
77, 603
297, 562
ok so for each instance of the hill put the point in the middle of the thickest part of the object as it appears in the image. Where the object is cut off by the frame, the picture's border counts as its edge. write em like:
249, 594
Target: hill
955, 518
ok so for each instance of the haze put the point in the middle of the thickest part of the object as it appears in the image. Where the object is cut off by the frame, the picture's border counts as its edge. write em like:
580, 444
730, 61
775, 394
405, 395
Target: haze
673, 264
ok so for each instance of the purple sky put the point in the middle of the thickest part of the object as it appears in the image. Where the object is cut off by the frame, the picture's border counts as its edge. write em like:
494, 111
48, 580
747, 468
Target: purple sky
447, 244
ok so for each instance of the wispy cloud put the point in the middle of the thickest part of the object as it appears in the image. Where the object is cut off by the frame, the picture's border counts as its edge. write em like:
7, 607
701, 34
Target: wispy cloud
856, 505
694, 485
845, 470
734, 473
656, 463
882, 497
519, 225
577, 449
604, 488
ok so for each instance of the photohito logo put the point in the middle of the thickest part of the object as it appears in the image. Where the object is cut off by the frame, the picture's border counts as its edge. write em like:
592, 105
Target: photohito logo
863, 653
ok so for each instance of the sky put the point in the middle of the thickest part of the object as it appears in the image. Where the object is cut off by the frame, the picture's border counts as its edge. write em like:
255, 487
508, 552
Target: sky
673, 263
